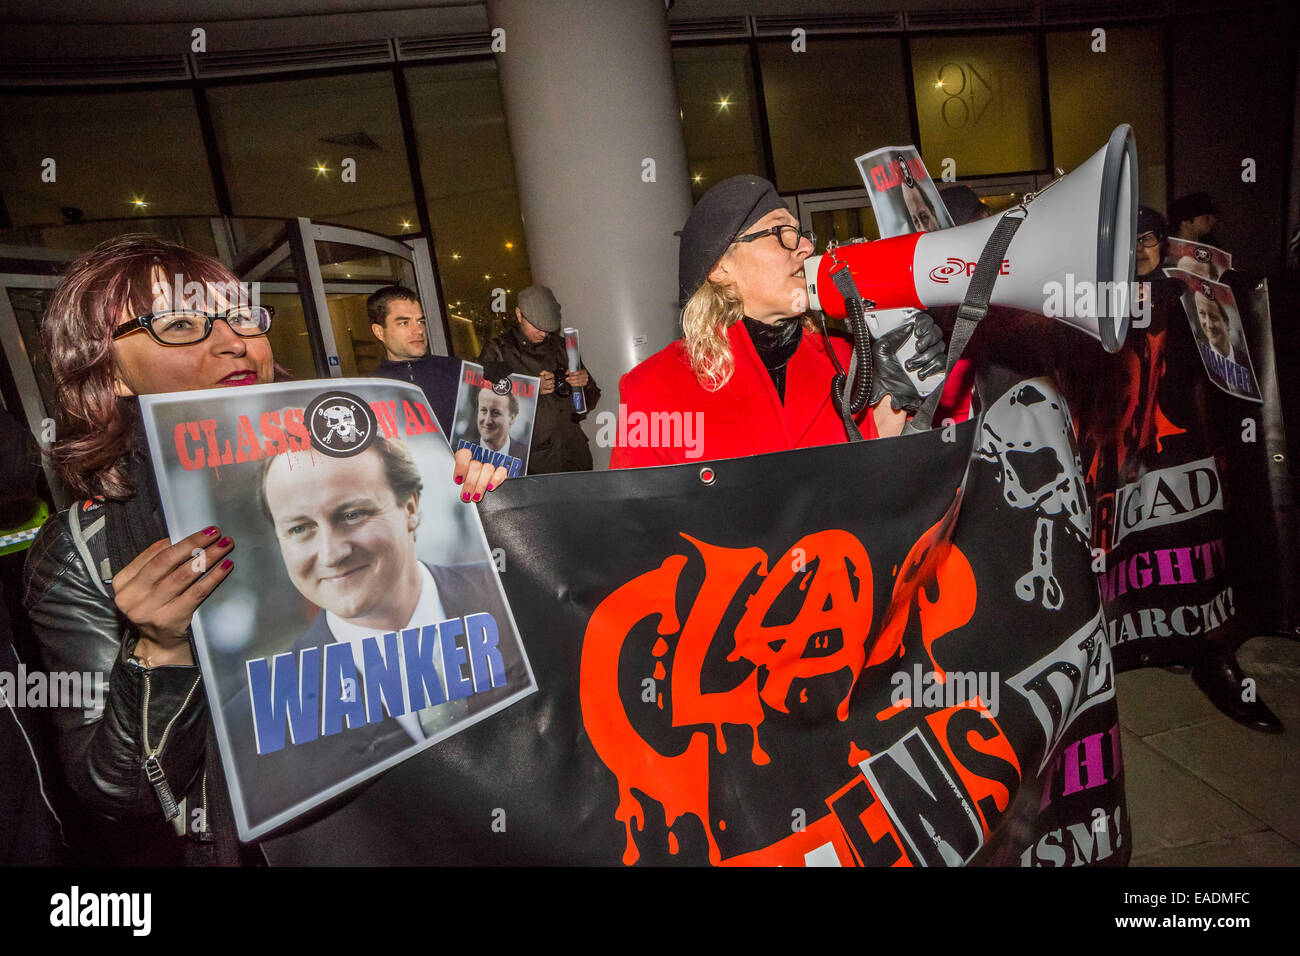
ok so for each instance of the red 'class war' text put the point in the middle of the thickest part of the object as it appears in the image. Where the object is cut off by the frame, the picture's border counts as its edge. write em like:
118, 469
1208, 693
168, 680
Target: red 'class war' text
201, 444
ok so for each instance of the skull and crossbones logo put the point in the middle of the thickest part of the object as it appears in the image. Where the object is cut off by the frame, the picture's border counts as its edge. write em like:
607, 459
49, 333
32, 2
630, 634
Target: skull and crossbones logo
1028, 434
342, 424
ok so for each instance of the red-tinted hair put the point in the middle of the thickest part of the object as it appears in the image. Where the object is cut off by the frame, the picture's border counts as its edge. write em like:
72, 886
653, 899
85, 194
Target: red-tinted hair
114, 279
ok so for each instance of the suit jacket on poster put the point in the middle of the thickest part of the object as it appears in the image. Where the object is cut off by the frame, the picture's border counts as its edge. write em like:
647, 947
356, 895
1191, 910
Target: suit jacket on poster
745, 416
274, 782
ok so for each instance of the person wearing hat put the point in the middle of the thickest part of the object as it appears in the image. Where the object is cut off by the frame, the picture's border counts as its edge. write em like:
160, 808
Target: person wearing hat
534, 346
1193, 217
750, 371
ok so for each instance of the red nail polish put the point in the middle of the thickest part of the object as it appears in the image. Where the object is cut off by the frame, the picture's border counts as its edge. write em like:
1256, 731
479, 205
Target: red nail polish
210, 530
227, 564
465, 498
477, 497
489, 487
459, 479
223, 542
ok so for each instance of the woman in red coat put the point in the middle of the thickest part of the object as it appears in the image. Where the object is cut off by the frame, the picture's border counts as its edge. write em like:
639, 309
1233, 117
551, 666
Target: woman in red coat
750, 374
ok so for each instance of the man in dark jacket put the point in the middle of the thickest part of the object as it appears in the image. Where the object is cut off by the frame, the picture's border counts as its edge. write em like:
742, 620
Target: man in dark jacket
536, 347
397, 320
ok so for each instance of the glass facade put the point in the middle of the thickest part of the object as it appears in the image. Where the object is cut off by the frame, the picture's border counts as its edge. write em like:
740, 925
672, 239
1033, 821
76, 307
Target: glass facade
469, 186
1094, 89
979, 103
330, 148
72, 156
826, 105
720, 116
343, 148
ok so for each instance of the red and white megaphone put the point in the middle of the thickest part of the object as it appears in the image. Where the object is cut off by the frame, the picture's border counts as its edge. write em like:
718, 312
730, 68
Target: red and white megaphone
1078, 234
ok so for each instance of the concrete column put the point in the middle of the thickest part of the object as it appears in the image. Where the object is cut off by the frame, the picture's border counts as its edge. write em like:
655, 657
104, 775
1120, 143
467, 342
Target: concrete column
591, 109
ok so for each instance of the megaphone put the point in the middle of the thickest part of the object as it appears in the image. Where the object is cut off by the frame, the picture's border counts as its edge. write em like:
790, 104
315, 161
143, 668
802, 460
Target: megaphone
1078, 233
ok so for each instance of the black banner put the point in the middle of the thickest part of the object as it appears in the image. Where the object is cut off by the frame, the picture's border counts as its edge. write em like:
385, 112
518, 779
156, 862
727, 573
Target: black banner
883, 653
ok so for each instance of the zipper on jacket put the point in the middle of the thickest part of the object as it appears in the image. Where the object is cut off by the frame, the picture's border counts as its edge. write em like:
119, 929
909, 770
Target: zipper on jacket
152, 768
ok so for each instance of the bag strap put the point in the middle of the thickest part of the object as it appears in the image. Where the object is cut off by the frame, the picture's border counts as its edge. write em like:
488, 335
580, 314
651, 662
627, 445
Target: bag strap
91, 543
973, 308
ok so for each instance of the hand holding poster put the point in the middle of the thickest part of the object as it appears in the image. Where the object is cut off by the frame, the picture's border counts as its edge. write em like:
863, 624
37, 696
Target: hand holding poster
363, 621
1208, 262
494, 419
903, 196
1216, 325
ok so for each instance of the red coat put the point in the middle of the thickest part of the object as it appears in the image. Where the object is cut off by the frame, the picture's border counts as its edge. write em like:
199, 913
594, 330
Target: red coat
744, 417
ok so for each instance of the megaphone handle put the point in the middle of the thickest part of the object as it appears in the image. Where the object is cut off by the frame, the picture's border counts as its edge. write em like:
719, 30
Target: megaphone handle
838, 381
973, 308
855, 312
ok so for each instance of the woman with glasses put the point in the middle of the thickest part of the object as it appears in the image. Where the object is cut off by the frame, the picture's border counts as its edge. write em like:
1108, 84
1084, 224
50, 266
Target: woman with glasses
752, 371
113, 331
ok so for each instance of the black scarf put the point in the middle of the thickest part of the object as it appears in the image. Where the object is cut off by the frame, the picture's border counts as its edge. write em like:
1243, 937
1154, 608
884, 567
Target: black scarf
775, 343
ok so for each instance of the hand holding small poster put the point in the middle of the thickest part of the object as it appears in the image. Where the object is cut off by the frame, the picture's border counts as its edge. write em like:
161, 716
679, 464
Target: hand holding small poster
1209, 262
494, 418
363, 621
903, 196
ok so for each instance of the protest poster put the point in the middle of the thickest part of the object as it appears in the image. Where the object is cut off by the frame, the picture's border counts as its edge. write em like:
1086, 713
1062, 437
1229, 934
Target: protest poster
494, 419
363, 621
832, 682
1209, 262
903, 196
1212, 311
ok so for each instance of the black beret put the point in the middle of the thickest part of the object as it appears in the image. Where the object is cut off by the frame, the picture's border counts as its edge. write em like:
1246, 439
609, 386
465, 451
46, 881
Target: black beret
722, 214
1150, 221
1191, 206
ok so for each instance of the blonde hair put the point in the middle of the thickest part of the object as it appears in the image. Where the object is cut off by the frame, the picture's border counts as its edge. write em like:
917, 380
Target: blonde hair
706, 317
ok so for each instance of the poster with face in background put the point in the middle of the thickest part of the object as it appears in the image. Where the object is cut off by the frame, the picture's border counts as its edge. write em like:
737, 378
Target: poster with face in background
363, 620
1216, 326
1208, 262
494, 420
903, 196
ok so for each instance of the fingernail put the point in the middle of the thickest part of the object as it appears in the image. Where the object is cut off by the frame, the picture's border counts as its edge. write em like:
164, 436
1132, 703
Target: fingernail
210, 530
477, 497
489, 487
465, 497
223, 542
459, 479
227, 564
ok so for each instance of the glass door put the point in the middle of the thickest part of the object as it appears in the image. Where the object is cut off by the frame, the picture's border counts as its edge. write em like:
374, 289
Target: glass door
26, 381
318, 278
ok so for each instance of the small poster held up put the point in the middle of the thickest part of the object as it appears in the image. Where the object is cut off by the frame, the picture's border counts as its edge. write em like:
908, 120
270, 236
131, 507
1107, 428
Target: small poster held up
1220, 338
903, 196
363, 620
494, 419
1208, 262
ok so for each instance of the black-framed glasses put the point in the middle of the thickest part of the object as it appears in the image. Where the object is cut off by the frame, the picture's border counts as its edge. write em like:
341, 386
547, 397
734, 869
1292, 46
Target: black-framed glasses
786, 234
187, 326
1148, 239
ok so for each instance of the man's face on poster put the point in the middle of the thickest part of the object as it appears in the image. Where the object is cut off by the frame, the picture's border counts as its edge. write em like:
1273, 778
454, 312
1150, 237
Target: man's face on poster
494, 418
1214, 323
923, 219
347, 542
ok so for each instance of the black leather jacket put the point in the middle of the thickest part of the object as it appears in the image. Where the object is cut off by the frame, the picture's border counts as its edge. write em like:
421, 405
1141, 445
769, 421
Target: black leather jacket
559, 443
152, 716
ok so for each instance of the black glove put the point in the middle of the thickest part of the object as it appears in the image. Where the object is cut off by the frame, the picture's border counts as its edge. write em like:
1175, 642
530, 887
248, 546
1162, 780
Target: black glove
889, 375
